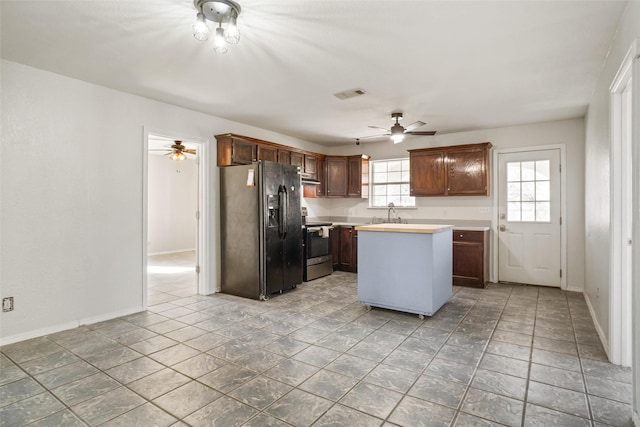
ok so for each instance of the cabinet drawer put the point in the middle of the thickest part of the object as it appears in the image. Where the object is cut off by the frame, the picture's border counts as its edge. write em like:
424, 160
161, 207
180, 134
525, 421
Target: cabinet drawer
468, 236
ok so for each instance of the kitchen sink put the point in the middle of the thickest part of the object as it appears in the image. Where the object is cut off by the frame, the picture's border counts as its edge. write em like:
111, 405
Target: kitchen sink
379, 220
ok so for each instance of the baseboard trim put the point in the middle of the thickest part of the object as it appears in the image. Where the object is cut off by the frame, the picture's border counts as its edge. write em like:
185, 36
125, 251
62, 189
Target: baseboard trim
66, 326
603, 339
172, 252
575, 289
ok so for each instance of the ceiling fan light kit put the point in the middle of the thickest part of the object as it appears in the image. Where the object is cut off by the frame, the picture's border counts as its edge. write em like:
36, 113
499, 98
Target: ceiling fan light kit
178, 155
397, 131
177, 151
224, 15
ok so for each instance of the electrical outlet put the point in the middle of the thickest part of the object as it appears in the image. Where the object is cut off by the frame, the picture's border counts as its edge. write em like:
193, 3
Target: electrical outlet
7, 304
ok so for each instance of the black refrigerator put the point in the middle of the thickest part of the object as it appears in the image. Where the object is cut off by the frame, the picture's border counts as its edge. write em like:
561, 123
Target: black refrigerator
260, 229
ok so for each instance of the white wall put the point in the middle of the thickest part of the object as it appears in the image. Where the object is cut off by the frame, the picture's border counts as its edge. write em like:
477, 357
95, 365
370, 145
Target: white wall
172, 200
71, 200
598, 201
567, 132
597, 179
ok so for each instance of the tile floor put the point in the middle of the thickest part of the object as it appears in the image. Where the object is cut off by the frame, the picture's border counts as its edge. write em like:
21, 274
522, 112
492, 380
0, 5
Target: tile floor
505, 355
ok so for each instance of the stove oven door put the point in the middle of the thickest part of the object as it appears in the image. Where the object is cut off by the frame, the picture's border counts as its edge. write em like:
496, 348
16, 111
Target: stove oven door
316, 244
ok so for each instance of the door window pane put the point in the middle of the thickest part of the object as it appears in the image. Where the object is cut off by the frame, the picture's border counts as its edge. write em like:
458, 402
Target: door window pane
542, 170
528, 171
513, 171
513, 211
543, 211
543, 190
528, 211
528, 192
513, 192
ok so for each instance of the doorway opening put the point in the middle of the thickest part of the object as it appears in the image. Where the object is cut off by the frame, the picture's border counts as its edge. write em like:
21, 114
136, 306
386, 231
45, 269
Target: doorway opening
175, 200
621, 259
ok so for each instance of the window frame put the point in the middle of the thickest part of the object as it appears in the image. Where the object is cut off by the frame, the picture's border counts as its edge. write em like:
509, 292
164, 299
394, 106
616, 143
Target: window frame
372, 184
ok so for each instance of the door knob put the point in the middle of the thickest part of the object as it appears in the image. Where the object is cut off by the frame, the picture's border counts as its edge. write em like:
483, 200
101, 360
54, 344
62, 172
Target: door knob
503, 227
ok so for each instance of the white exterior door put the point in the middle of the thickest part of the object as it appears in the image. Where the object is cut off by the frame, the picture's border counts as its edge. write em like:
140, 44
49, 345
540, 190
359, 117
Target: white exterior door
529, 223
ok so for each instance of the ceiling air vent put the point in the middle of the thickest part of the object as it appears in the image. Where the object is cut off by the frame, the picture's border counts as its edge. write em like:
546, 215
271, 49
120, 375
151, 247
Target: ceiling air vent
351, 93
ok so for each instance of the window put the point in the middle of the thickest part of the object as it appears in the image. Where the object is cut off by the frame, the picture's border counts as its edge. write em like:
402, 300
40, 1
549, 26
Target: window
390, 183
528, 191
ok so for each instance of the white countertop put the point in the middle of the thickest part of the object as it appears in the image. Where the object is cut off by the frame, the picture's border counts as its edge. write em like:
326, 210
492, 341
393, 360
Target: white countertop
470, 228
405, 228
455, 227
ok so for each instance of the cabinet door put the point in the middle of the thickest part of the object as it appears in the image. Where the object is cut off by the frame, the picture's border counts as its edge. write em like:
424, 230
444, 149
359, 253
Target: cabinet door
427, 173
267, 153
467, 172
297, 159
321, 190
335, 246
346, 248
284, 157
243, 152
336, 176
468, 261
354, 186
311, 165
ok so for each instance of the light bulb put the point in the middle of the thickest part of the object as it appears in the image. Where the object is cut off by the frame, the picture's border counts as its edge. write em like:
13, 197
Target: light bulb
219, 43
232, 34
200, 28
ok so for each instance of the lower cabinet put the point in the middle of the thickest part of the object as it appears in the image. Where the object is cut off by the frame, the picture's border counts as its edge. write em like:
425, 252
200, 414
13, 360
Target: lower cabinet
345, 248
470, 254
470, 258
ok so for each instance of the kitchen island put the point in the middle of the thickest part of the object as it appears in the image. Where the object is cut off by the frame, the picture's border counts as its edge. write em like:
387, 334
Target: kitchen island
405, 267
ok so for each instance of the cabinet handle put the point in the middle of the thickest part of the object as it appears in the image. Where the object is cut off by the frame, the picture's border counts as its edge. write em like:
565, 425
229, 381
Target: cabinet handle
461, 236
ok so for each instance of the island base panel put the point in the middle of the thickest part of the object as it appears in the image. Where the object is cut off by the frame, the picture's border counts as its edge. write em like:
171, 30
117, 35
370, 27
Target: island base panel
409, 272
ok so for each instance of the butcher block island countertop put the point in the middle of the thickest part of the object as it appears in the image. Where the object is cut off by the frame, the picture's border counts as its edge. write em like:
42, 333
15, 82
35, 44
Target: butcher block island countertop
405, 228
405, 267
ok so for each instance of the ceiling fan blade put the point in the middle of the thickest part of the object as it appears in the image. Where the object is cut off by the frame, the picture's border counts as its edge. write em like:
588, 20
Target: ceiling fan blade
375, 136
423, 132
378, 127
189, 151
414, 125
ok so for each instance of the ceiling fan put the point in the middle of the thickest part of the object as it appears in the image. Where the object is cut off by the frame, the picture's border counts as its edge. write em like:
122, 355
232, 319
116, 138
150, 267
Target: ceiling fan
177, 151
398, 132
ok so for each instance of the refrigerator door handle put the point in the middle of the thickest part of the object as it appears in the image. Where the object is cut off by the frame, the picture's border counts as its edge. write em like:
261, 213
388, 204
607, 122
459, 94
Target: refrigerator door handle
284, 210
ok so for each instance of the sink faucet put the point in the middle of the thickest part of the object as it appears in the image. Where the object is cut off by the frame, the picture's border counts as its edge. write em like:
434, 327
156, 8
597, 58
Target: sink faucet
391, 208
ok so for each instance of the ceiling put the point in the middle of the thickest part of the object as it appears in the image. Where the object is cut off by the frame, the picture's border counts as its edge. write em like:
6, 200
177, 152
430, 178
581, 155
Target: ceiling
457, 65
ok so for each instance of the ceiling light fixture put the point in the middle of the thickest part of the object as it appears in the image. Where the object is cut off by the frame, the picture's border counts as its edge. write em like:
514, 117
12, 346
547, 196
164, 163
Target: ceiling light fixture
178, 155
220, 12
397, 130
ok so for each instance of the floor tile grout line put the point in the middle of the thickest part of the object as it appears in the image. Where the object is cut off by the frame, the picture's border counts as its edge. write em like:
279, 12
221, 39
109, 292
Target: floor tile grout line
528, 382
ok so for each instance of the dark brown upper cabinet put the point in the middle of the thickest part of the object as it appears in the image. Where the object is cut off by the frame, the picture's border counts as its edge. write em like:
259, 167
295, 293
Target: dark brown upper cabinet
460, 170
268, 153
284, 156
336, 168
233, 150
297, 159
311, 165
